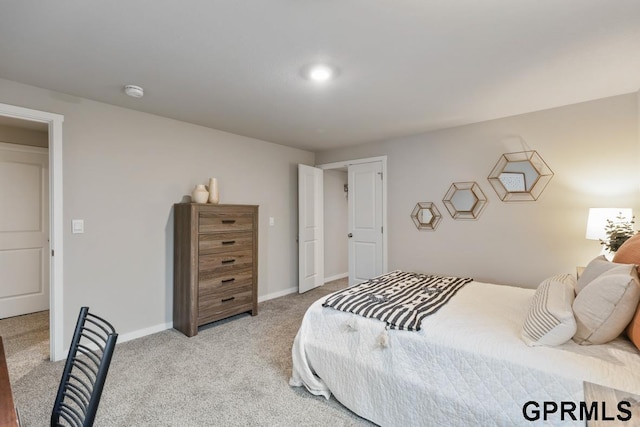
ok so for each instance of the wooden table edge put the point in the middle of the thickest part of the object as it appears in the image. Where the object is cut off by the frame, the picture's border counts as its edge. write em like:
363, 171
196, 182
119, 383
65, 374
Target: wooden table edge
8, 415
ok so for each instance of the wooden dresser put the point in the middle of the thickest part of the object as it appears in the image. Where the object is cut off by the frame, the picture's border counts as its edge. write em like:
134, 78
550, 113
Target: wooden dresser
215, 267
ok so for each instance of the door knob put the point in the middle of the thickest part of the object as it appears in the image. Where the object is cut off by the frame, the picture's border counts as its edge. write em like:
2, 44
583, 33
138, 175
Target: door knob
350, 235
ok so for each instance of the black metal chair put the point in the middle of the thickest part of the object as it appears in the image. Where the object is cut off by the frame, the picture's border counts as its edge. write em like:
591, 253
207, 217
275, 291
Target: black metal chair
84, 372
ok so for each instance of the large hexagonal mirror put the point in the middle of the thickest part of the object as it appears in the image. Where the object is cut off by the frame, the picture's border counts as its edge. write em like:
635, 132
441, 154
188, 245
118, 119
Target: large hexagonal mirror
520, 176
465, 200
426, 216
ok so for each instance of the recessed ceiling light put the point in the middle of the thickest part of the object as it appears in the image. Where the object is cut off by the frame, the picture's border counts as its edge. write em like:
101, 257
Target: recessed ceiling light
320, 73
134, 91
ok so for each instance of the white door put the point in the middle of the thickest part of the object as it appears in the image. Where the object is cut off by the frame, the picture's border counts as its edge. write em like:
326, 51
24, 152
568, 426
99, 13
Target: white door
365, 222
24, 229
310, 228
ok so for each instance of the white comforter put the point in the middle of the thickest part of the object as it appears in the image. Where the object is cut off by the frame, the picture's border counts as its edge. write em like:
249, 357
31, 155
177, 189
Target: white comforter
466, 367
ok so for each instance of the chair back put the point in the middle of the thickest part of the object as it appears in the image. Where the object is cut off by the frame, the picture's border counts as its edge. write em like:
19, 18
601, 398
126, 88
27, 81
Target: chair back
84, 372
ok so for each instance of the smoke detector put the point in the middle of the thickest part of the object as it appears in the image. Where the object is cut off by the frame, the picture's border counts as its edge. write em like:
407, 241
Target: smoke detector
134, 91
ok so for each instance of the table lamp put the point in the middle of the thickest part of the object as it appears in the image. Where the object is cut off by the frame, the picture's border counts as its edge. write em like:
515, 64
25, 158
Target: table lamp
597, 221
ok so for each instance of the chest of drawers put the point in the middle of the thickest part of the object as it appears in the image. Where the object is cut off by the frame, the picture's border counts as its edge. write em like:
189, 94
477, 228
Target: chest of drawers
215, 263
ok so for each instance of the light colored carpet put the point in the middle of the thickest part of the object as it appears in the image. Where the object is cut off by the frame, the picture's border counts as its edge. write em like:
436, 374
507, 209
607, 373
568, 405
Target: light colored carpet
234, 372
26, 342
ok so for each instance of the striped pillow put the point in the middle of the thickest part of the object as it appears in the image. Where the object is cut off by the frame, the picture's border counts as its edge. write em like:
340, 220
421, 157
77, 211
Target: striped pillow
550, 319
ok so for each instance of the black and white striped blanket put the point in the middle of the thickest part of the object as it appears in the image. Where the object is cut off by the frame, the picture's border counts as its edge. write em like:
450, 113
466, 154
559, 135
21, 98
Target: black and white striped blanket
400, 299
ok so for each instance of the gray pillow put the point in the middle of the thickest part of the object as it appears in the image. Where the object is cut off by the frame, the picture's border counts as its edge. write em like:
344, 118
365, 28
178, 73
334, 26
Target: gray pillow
605, 306
598, 266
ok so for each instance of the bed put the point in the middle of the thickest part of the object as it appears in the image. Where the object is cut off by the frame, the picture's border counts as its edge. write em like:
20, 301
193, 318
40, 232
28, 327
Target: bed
467, 365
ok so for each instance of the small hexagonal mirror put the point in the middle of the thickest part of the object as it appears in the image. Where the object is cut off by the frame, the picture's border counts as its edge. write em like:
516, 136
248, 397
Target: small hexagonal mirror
465, 200
426, 216
520, 176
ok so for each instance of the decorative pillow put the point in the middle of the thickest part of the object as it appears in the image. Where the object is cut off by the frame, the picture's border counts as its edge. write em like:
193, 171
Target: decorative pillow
629, 251
605, 306
633, 330
598, 266
550, 318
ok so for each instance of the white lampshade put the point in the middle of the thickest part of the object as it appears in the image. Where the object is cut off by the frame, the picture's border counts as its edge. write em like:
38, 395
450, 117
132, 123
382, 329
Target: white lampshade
598, 217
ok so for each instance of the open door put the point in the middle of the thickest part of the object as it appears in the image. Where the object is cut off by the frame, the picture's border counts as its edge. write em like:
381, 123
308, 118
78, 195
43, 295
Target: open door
365, 222
310, 228
24, 229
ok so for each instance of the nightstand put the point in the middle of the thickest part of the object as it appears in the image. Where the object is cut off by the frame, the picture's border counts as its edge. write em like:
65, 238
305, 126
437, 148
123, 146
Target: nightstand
606, 397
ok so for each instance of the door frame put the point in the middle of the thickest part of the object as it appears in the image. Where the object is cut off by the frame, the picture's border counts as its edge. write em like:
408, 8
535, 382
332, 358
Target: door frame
383, 160
56, 313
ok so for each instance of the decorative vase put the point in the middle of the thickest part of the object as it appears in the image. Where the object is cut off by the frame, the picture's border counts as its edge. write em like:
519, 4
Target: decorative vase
214, 197
199, 194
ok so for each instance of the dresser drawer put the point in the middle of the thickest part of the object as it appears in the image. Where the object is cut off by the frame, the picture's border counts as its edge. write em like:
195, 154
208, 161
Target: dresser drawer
225, 262
224, 242
219, 305
211, 222
210, 282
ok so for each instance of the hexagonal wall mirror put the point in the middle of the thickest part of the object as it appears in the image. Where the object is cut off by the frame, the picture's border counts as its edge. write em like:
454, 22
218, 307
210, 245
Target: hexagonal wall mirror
426, 216
465, 200
520, 176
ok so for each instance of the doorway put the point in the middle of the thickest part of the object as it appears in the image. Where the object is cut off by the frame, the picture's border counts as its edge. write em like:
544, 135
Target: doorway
336, 227
367, 213
53, 124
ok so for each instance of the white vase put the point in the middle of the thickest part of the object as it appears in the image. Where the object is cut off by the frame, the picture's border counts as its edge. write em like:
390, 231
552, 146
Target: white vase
199, 194
214, 197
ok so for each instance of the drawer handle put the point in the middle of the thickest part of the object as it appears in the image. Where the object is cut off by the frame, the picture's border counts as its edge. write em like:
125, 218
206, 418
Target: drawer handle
228, 280
228, 221
229, 242
228, 299
228, 261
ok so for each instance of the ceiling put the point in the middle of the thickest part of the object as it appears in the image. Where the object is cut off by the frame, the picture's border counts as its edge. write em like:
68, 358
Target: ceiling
406, 66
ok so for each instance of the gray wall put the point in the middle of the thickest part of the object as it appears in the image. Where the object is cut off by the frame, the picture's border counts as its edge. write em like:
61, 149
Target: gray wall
593, 149
16, 135
336, 255
123, 171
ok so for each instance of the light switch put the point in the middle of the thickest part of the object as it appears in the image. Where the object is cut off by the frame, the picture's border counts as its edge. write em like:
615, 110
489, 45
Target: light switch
272, 221
77, 226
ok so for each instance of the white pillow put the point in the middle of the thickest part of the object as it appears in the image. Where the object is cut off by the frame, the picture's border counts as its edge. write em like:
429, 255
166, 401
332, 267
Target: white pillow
605, 306
550, 319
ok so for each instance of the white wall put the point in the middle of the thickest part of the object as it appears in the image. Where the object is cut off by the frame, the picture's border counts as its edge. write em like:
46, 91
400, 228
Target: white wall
336, 256
123, 171
593, 149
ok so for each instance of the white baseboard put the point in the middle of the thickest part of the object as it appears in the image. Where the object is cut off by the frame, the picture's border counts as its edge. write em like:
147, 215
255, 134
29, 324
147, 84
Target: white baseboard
278, 294
144, 332
336, 277
127, 337
164, 326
